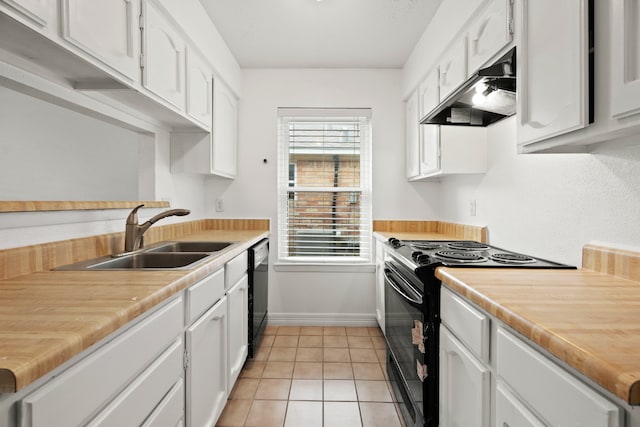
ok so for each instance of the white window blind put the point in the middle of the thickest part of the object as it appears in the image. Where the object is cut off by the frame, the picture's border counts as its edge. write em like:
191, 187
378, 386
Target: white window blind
324, 186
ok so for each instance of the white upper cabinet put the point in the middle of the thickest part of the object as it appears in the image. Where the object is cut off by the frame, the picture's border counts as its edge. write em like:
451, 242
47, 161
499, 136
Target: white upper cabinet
36, 11
429, 160
552, 69
225, 131
453, 68
625, 58
199, 88
492, 31
164, 56
412, 143
107, 30
210, 153
429, 93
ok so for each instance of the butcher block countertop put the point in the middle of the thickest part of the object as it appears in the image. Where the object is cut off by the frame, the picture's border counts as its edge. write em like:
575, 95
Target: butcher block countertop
48, 317
588, 318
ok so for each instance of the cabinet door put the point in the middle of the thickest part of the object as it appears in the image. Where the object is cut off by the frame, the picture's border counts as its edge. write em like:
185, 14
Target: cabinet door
453, 69
107, 30
380, 293
464, 385
490, 33
206, 375
225, 130
37, 11
552, 69
429, 93
511, 413
412, 143
238, 308
164, 57
625, 58
429, 149
199, 88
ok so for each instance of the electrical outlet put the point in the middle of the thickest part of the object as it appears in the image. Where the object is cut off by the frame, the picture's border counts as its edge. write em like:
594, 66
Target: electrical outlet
219, 205
472, 207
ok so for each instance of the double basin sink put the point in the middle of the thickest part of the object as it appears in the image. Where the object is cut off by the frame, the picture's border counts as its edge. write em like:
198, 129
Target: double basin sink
166, 255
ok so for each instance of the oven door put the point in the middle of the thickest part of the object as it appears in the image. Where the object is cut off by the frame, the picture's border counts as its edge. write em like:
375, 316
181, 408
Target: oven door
404, 329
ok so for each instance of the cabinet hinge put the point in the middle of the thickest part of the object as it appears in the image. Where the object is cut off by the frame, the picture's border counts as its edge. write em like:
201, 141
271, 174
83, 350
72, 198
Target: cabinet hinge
142, 60
186, 359
141, 21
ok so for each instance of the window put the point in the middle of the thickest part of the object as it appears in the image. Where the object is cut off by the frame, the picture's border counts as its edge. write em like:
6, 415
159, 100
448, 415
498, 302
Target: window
324, 185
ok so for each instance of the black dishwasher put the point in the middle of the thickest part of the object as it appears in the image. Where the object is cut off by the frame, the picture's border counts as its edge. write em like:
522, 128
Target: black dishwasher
258, 292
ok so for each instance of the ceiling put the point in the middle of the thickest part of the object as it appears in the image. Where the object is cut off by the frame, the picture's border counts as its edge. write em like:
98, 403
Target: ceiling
321, 34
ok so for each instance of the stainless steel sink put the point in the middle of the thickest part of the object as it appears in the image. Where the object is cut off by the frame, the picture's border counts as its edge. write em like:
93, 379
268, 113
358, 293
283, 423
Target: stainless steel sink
162, 256
186, 246
141, 261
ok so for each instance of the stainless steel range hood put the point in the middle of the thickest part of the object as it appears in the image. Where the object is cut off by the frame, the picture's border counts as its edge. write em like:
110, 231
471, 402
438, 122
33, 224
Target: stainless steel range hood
488, 96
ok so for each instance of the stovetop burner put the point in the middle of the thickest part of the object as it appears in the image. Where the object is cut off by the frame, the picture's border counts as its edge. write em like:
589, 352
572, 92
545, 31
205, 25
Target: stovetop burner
460, 257
428, 254
468, 246
507, 257
425, 246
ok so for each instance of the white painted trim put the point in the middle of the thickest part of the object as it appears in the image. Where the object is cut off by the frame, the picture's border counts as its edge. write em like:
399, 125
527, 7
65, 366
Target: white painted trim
323, 319
326, 268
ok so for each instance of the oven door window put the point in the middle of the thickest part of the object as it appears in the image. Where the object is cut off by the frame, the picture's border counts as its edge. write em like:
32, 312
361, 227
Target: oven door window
404, 329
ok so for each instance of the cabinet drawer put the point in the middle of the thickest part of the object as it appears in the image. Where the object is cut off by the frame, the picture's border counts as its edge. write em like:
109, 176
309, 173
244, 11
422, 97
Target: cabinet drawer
79, 392
510, 412
138, 400
170, 412
204, 294
532, 376
468, 324
235, 269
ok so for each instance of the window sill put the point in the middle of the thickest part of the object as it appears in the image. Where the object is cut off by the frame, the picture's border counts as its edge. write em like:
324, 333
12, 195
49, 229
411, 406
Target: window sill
326, 267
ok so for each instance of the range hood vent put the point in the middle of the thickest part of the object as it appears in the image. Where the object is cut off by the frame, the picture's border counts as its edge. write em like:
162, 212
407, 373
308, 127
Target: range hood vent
488, 96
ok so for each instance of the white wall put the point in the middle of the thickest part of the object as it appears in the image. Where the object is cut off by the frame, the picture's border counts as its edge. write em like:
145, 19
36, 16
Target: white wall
550, 205
320, 296
51, 153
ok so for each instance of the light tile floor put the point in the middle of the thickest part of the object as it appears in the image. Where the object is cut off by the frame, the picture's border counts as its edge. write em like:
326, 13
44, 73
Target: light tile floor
312, 376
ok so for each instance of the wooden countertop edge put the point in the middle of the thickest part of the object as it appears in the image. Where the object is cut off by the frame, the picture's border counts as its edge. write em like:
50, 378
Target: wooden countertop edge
66, 205
13, 379
594, 367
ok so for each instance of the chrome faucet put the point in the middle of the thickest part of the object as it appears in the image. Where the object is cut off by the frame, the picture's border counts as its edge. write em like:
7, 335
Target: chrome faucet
134, 232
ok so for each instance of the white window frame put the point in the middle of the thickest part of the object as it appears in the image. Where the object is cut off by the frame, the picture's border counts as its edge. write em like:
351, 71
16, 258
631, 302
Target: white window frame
285, 115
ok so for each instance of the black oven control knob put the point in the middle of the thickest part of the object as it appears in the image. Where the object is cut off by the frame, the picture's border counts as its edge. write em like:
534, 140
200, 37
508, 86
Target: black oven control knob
394, 242
416, 254
423, 259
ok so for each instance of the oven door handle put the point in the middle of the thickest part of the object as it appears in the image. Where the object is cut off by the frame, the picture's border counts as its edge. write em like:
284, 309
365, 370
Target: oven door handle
389, 276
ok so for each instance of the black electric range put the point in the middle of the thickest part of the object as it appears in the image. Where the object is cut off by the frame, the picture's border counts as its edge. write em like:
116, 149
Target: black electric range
412, 313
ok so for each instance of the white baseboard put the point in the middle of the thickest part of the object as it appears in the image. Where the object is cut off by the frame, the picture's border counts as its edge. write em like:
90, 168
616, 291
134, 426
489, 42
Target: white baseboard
322, 319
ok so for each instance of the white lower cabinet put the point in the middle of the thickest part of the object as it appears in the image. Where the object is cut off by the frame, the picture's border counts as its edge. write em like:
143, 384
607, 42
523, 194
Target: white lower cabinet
238, 309
380, 255
532, 375
510, 412
206, 374
170, 412
490, 376
134, 405
114, 377
465, 385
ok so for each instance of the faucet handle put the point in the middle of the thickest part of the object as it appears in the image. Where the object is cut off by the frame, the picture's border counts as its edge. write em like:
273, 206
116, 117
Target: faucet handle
133, 215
